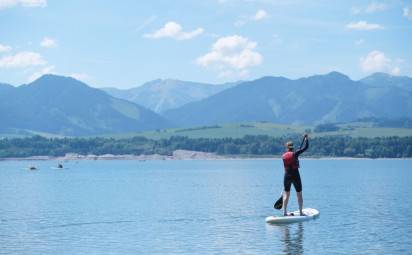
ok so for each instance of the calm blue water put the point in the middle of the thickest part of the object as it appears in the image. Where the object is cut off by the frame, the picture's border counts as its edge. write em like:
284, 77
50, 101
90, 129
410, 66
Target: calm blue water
203, 207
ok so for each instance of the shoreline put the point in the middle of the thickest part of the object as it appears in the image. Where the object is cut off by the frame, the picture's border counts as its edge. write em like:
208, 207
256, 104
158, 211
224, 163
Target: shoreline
177, 155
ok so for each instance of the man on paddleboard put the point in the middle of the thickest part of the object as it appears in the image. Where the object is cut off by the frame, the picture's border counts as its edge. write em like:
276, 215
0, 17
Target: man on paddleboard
292, 176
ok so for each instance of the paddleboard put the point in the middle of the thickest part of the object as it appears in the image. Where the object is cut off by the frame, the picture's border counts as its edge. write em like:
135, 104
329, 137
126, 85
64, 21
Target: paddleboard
310, 214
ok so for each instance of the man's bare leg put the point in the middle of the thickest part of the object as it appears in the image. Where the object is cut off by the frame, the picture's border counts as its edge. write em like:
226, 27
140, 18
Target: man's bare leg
300, 202
286, 195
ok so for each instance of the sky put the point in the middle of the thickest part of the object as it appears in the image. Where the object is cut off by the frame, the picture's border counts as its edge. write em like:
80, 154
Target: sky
126, 43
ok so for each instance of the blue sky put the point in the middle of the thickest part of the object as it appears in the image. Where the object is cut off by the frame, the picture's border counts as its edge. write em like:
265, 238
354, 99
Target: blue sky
126, 43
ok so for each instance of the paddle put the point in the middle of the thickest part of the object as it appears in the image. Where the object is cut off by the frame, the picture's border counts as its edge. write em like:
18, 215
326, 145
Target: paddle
279, 203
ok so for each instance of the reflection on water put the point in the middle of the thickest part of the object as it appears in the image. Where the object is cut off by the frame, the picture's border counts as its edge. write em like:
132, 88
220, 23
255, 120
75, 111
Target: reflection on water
290, 236
87, 223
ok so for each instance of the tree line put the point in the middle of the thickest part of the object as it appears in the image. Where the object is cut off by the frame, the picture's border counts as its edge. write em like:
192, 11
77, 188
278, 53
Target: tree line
249, 145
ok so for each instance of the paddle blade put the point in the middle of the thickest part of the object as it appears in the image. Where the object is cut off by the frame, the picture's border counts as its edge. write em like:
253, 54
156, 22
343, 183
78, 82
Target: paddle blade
279, 203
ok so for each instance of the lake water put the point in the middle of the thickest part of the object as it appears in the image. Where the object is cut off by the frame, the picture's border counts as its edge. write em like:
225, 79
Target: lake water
203, 207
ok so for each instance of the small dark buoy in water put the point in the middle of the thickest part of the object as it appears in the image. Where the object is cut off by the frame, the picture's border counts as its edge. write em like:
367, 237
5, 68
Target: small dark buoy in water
59, 166
32, 168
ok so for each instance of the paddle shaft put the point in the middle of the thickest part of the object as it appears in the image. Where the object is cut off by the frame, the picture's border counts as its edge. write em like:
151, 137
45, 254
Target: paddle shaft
301, 144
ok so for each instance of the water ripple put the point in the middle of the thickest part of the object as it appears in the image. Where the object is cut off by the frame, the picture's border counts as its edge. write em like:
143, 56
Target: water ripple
88, 223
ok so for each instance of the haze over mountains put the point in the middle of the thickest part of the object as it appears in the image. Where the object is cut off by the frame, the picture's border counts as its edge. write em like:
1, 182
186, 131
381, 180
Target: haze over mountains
161, 95
65, 106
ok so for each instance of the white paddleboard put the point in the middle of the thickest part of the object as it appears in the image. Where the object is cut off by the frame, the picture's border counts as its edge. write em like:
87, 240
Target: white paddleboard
310, 214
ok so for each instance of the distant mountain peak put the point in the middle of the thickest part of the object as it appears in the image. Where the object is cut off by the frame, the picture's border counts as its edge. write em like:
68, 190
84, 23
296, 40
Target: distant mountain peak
387, 80
47, 77
383, 76
155, 81
272, 77
337, 75
53, 81
330, 77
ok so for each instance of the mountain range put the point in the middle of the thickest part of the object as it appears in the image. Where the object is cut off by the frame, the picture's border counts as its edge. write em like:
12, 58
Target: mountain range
161, 95
62, 105
316, 99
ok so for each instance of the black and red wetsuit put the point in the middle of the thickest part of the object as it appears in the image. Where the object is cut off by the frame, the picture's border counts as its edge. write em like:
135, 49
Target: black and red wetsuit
291, 164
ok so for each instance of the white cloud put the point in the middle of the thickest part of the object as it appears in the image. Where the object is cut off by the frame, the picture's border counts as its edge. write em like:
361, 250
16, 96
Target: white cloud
22, 60
231, 54
375, 7
376, 61
407, 12
48, 43
25, 3
363, 25
4, 48
174, 30
260, 15
38, 74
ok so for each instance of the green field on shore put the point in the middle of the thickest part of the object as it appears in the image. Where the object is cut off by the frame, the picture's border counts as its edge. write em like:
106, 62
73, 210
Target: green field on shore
355, 129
